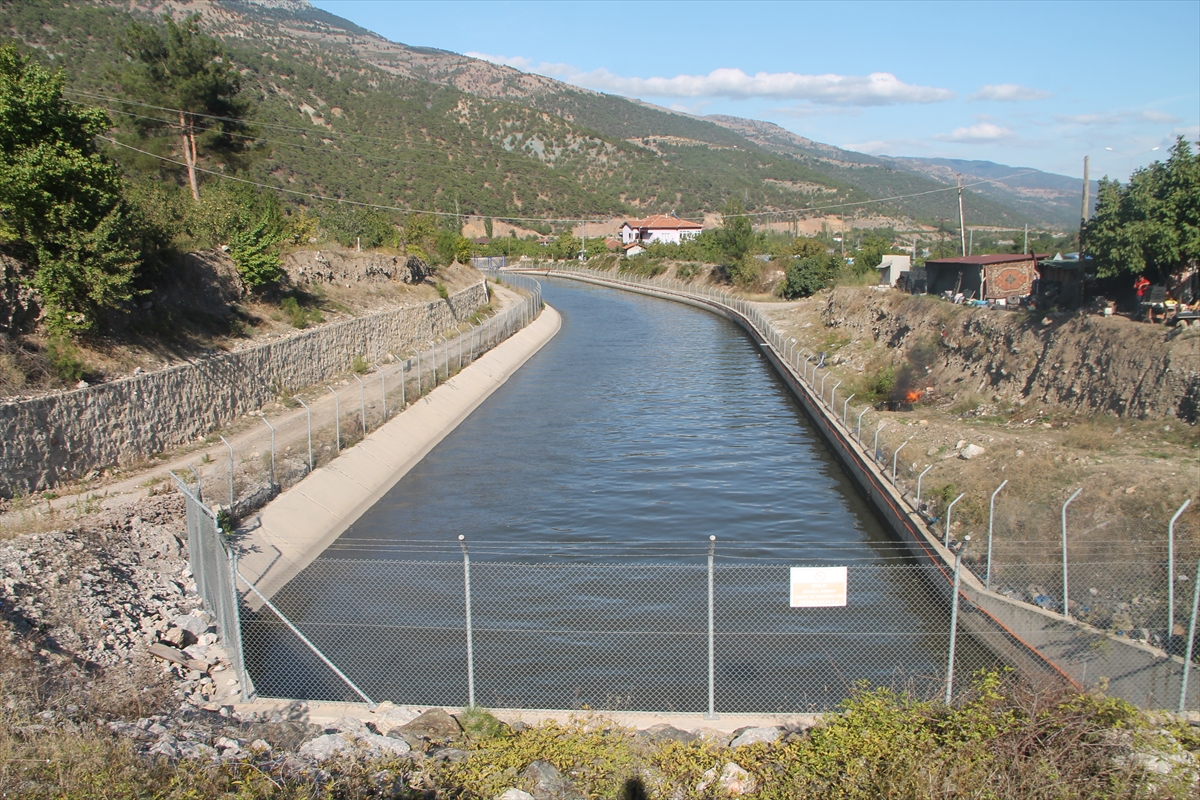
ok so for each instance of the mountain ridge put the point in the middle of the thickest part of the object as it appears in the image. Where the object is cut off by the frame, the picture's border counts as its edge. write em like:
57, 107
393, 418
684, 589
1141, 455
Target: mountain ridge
513, 143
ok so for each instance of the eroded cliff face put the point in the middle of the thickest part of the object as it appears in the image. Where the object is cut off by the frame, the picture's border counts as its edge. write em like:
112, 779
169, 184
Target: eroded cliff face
336, 266
1083, 363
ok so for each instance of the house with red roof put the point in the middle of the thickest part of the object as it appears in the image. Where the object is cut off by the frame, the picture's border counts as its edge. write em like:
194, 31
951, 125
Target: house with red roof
665, 228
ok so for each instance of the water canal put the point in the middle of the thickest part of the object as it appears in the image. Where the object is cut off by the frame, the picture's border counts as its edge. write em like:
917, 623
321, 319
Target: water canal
587, 489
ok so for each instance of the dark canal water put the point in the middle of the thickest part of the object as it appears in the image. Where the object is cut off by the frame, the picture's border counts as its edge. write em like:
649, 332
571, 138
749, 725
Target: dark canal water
587, 488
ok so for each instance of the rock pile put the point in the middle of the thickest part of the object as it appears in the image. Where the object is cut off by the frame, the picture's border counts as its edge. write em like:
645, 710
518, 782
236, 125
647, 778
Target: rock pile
115, 594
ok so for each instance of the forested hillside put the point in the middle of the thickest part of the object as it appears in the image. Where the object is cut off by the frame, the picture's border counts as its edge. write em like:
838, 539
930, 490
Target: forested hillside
342, 112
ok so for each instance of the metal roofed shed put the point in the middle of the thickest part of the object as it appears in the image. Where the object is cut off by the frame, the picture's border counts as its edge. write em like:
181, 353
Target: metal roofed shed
992, 277
1061, 280
891, 267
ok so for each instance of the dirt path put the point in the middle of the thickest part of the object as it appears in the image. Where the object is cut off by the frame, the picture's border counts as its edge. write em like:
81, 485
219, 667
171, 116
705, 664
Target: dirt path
250, 438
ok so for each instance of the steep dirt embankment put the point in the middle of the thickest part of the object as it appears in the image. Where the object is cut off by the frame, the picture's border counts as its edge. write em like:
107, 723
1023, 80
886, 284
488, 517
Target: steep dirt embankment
1079, 363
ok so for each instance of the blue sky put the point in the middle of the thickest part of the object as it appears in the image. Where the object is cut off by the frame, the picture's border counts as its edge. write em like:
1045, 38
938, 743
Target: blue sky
1026, 84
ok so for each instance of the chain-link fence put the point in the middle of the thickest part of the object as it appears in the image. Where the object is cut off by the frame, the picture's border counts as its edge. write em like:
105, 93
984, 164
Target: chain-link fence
1130, 576
244, 478
213, 566
618, 637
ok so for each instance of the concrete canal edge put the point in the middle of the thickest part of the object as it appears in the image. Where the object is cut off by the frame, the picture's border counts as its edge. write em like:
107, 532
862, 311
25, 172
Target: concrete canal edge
1028, 637
291, 531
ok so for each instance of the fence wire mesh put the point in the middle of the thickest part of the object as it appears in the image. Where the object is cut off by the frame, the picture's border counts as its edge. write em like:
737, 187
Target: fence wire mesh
636, 637
1119, 571
213, 569
618, 637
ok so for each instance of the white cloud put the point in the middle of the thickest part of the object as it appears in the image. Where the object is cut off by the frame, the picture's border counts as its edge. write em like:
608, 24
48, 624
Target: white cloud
875, 147
891, 147
1159, 116
516, 62
809, 110
696, 109
1009, 93
876, 89
980, 132
1119, 117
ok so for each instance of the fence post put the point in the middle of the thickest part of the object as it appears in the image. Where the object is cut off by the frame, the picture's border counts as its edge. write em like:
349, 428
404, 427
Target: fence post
231, 497
243, 679
823, 379
199, 488
1066, 596
337, 418
919, 478
1171, 572
419, 373
1187, 658
833, 396
470, 643
858, 429
272, 427
309, 410
896, 457
712, 713
362, 388
949, 512
875, 444
383, 384
954, 622
307, 642
987, 579
845, 409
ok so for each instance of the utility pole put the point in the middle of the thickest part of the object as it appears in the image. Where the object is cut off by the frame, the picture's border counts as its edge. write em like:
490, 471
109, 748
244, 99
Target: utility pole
971, 246
962, 224
583, 250
1083, 215
914, 255
1026, 250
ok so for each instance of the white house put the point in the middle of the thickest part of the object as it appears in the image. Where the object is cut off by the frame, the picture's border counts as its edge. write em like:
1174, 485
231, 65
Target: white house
668, 229
891, 267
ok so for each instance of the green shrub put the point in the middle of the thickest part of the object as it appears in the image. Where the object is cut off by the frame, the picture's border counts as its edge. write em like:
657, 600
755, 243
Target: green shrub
807, 276
299, 316
442, 291
65, 359
881, 384
359, 365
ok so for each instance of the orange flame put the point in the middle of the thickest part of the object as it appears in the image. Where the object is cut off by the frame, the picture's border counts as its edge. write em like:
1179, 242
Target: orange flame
912, 396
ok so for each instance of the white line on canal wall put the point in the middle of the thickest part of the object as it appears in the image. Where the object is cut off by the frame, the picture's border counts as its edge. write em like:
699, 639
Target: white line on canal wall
297, 526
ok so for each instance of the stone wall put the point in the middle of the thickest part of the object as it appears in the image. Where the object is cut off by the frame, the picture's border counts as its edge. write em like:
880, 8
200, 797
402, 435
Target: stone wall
58, 437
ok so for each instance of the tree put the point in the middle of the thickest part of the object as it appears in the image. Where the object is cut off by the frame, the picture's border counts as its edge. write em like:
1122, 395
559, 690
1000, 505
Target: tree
870, 252
566, 246
809, 275
62, 209
1152, 224
736, 236
251, 223
188, 74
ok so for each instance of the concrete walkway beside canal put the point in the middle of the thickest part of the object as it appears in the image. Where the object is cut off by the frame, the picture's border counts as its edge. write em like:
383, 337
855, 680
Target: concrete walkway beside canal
298, 525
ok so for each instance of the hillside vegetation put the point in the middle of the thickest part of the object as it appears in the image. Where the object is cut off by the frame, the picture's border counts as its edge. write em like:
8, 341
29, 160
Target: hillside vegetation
343, 113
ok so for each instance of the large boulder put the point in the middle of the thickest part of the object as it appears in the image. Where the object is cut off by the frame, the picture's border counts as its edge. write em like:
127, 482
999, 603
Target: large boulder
434, 725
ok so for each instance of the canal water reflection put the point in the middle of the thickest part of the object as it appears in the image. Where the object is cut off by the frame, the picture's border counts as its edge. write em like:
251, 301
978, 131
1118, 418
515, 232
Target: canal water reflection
587, 488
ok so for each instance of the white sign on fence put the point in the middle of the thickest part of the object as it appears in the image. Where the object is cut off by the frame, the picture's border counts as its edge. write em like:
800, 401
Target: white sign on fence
818, 587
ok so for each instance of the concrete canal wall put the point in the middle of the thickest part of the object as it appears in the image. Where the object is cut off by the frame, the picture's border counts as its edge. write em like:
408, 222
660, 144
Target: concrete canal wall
1036, 641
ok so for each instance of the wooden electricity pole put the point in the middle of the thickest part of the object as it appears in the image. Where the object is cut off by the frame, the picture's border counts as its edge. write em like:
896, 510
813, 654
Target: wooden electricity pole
1083, 215
962, 225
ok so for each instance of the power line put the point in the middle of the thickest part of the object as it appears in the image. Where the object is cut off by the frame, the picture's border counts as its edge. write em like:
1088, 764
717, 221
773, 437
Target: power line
291, 128
311, 195
828, 207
